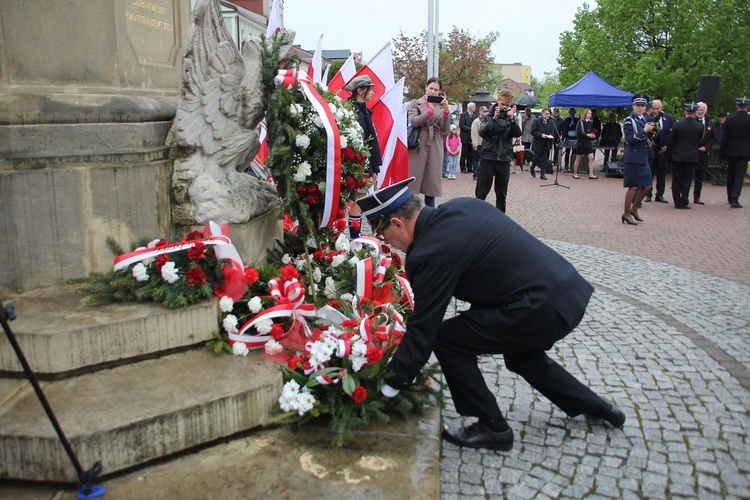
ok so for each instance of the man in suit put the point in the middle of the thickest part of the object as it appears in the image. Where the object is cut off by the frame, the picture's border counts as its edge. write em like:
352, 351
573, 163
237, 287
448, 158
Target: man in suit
682, 146
464, 125
569, 134
735, 147
524, 297
476, 140
664, 122
704, 149
544, 135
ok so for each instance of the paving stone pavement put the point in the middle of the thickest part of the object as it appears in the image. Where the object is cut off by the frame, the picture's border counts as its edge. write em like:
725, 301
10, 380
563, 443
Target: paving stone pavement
665, 337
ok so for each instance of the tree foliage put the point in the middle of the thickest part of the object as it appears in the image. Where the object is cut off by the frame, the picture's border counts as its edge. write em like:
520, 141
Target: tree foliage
661, 47
465, 63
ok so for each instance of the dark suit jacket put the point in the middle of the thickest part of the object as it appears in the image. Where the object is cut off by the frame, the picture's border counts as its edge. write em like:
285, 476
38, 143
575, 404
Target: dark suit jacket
684, 140
707, 141
464, 125
541, 147
735, 139
518, 287
667, 122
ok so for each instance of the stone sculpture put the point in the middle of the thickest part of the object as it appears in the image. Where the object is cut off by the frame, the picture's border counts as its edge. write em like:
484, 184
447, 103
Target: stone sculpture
220, 107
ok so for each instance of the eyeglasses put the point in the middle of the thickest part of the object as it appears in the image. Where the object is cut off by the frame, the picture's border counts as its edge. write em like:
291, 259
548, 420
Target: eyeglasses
382, 226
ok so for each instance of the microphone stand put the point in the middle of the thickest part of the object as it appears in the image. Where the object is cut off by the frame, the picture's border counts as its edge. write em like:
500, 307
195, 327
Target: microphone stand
557, 170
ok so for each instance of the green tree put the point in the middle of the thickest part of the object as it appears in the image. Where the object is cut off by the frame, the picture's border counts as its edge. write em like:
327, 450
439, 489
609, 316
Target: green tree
661, 47
465, 63
548, 85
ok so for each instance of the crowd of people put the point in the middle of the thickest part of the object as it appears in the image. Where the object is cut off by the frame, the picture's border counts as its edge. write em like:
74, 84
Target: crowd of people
493, 143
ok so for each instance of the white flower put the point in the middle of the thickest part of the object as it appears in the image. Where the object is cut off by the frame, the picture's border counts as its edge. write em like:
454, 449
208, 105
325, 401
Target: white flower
230, 323
305, 401
340, 113
272, 347
295, 109
240, 349
301, 263
288, 400
342, 243
264, 326
139, 272
286, 259
317, 274
255, 305
353, 261
330, 289
302, 141
317, 121
226, 304
169, 272
358, 354
344, 142
347, 297
304, 170
332, 107
153, 243
338, 260
322, 350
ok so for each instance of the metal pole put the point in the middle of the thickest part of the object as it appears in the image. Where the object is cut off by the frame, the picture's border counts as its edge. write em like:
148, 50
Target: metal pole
436, 35
430, 45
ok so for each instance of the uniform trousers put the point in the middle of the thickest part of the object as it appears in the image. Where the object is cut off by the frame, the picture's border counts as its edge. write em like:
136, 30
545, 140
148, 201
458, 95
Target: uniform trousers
700, 176
736, 167
467, 152
482, 331
659, 170
496, 170
682, 177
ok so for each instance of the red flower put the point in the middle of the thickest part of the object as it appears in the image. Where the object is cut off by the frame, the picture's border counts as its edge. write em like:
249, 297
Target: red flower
277, 331
197, 252
374, 355
396, 260
339, 224
195, 276
301, 190
289, 272
384, 248
351, 183
334, 303
251, 275
356, 224
348, 154
313, 190
359, 394
293, 362
359, 157
161, 260
349, 323
313, 201
194, 235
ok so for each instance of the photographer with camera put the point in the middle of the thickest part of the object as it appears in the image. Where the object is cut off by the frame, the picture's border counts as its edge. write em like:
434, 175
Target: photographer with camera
498, 128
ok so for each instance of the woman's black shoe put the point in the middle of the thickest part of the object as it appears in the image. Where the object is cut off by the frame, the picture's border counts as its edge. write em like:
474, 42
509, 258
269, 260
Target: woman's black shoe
636, 217
625, 219
479, 435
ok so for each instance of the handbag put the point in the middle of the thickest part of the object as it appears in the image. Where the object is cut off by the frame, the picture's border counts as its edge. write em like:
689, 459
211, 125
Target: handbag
413, 135
518, 148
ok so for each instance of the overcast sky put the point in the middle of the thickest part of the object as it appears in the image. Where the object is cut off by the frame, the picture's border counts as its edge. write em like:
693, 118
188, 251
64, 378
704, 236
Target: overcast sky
529, 32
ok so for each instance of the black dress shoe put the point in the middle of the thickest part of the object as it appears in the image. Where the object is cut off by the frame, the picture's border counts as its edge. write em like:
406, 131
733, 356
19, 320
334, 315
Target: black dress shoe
478, 435
661, 199
611, 414
699, 202
532, 172
736, 204
543, 177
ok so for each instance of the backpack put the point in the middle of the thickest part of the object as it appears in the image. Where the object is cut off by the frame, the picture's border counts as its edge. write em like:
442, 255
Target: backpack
413, 135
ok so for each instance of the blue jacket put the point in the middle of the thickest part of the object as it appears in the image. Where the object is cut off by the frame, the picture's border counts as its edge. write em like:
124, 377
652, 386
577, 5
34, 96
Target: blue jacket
637, 143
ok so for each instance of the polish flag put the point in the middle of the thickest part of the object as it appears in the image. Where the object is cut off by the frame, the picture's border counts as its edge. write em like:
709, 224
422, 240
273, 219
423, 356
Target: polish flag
346, 73
324, 79
274, 20
380, 70
316, 64
396, 155
262, 156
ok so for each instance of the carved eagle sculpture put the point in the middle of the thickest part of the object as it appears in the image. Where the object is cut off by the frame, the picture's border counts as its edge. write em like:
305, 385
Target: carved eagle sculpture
220, 106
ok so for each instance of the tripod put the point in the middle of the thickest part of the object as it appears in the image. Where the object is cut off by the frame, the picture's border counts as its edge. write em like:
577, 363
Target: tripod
557, 175
87, 490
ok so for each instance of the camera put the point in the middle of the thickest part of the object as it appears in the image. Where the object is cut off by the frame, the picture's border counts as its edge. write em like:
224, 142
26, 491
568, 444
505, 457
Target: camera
502, 111
435, 98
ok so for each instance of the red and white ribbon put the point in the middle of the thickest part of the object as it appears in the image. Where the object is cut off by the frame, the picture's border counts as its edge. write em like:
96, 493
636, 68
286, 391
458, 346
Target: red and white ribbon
278, 311
126, 259
406, 286
292, 290
286, 78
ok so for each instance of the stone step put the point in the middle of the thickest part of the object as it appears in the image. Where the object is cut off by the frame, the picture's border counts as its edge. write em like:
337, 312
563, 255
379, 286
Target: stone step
60, 332
133, 414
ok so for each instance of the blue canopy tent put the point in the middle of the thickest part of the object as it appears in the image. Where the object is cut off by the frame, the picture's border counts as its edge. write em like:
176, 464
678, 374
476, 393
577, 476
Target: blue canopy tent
591, 91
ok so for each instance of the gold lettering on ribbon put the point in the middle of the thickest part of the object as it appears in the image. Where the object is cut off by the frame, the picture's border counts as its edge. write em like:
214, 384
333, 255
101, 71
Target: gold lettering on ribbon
149, 21
143, 4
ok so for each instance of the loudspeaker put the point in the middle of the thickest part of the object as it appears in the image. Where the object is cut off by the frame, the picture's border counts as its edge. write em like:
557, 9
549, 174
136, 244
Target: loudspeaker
708, 90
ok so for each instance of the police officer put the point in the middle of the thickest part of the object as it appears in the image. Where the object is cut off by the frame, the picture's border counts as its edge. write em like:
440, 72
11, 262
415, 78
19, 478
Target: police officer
524, 297
682, 147
735, 147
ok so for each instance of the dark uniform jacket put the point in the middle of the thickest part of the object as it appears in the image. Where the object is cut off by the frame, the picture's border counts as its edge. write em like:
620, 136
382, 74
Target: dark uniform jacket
582, 130
684, 140
637, 142
707, 141
364, 118
498, 134
517, 286
541, 147
735, 140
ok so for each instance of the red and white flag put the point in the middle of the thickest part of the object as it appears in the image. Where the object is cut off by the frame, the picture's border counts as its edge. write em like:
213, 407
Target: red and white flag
262, 156
315, 73
395, 155
346, 73
324, 79
380, 70
274, 20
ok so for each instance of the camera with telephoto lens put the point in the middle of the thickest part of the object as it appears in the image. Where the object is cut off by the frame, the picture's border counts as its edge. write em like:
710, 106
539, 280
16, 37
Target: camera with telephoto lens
657, 124
502, 111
